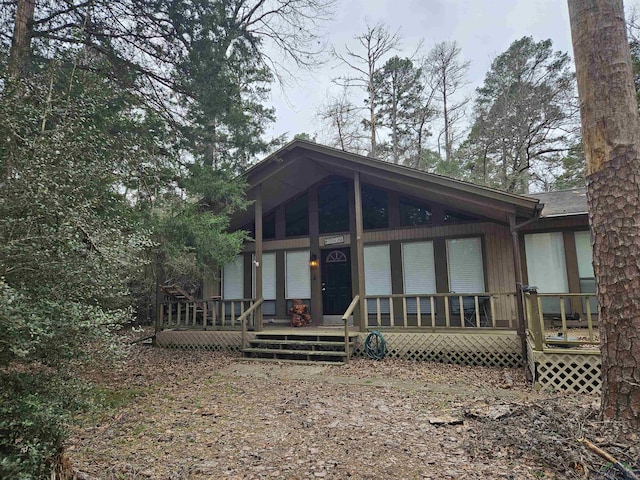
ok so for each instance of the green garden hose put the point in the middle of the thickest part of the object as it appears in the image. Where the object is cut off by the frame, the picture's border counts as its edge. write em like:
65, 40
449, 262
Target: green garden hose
374, 346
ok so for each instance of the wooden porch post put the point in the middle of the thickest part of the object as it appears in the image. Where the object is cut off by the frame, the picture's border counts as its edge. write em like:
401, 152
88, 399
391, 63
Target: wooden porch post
258, 269
159, 317
517, 263
359, 248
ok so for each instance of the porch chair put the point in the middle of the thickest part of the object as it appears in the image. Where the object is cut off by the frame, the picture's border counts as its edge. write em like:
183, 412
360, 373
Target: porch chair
469, 310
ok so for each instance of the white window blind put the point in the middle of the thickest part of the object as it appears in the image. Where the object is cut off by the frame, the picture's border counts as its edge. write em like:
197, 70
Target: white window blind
268, 276
466, 268
377, 270
418, 268
233, 279
587, 279
584, 254
298, 274
546, 266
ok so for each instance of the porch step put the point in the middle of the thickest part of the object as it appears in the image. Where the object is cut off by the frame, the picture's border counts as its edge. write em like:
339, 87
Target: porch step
308, 343
308, 346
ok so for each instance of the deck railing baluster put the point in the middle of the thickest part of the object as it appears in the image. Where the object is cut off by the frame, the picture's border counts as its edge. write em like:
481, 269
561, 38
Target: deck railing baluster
492, 307
563, 318
446, 312
433, 311
404, 311
589, 317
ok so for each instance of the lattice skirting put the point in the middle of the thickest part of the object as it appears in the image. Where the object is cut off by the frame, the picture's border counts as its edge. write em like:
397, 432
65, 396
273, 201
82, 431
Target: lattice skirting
496, 350
217, 341
580, 373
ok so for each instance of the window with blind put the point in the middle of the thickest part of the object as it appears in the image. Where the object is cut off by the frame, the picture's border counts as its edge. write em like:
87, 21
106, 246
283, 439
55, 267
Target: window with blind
268, 282
466, 267
546, 267
377, 275
585, 262
419, 274
233, 279
586, 276
298, 275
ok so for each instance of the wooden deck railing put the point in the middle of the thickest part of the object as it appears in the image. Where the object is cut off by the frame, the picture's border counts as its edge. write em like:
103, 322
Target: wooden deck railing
242, 319
484, 310
345, 319
570, 316
209, 313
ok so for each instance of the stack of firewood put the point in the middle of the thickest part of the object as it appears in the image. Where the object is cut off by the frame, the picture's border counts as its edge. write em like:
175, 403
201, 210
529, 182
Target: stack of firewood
299, 314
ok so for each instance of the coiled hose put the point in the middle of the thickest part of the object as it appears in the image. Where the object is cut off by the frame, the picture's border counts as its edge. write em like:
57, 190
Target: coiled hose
374, 346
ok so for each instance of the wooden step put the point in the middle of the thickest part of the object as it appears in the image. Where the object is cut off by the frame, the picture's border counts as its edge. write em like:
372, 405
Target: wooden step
309, 343
303, 333
300, 346
307, 356
299, 362
318, 353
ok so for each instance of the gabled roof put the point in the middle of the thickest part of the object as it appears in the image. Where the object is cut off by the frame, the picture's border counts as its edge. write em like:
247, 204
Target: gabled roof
563, 203
301, 163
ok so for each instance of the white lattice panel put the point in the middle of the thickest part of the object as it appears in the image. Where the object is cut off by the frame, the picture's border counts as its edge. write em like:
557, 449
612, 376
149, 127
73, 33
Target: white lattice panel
200, 339
578, 373
500, 350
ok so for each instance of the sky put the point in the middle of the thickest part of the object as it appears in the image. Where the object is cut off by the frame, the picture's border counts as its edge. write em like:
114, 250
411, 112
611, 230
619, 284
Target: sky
482, 28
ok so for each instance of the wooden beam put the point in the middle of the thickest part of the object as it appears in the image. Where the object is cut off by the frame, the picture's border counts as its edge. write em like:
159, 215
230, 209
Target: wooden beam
359, 244
314, 249
258, 269
517, 266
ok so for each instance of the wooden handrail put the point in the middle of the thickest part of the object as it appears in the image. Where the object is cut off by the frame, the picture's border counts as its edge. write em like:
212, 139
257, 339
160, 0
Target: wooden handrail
469, 309
345, 319
242, 319
536, 320
440, 295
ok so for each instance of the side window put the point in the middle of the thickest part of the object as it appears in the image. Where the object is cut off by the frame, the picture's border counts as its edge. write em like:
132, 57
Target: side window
233, 279
547, 267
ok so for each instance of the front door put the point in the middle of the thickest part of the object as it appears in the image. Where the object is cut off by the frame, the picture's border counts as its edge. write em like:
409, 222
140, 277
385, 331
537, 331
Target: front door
336, 281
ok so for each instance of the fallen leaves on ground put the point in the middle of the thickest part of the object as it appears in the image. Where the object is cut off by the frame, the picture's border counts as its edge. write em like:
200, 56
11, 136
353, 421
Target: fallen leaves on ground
198, 414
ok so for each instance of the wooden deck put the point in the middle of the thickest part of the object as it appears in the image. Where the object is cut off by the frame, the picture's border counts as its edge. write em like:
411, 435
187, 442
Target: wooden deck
483, 347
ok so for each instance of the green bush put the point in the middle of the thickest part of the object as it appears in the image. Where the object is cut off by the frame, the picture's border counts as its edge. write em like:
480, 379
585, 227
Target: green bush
33, 412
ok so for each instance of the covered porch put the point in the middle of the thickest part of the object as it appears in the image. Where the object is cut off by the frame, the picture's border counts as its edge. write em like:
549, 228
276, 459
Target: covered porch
482, 332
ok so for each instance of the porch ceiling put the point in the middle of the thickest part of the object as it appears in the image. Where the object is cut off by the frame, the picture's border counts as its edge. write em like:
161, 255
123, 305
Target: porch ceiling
300, 164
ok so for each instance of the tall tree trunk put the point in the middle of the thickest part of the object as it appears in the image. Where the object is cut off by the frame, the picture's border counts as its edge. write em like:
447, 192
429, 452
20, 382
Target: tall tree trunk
611, 137
445, 111
372, 115
20, 53
394, 130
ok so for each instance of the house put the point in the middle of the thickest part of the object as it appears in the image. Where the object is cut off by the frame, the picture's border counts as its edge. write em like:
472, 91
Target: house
435, 263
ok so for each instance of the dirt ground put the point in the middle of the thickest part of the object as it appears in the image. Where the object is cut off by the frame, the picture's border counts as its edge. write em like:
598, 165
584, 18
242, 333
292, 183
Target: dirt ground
198, 415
